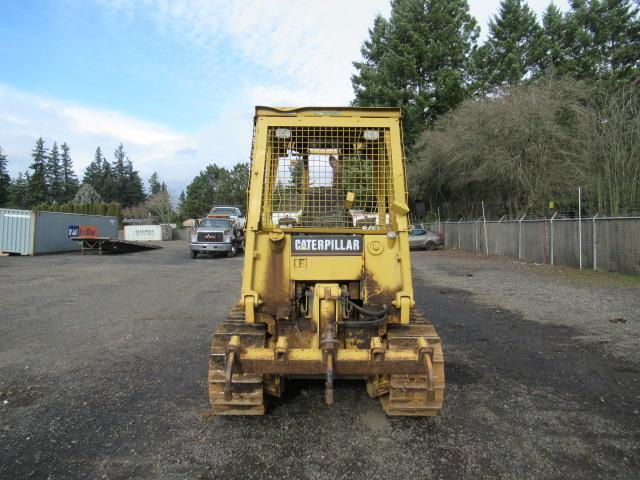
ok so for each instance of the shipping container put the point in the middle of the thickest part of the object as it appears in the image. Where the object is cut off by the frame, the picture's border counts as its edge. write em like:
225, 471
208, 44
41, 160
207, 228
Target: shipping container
145, 233
29, 233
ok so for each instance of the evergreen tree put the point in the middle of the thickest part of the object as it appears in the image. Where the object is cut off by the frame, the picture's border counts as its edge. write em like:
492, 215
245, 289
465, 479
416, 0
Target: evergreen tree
603, 40
69, 179
154, 184
5, 179
119, 175
93, 172
86, 194
419, 60
553, 55
369, 84
18, 191
108, 187
37, 186
99, 174
54, 176
133, 189
514, 46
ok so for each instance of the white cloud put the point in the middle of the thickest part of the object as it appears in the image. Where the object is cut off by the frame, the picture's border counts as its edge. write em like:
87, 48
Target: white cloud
26, 116
303, 47
82, 120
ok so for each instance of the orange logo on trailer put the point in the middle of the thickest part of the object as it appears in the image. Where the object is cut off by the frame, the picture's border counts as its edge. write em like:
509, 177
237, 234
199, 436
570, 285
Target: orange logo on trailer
88, 231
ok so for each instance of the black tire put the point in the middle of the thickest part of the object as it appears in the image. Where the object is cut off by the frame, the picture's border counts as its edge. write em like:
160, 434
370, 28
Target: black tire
193, 253
232, 253
429, 246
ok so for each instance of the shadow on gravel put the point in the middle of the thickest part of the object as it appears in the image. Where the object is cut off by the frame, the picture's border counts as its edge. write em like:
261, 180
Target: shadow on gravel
499, 342
461, 374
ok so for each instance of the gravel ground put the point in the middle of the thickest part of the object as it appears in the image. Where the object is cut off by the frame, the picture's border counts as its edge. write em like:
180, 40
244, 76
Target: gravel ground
103, 375
604, 307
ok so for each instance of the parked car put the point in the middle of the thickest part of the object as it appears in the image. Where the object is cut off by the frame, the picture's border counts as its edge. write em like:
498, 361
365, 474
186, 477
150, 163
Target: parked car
426, 239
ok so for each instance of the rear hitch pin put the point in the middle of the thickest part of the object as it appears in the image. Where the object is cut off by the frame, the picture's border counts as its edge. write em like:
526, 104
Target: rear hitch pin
232, 348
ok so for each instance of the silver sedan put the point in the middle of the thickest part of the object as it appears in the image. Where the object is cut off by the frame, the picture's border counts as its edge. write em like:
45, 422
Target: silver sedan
425, 239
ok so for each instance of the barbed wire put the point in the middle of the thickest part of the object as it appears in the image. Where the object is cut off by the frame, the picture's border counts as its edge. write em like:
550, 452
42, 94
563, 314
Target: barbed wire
557, 215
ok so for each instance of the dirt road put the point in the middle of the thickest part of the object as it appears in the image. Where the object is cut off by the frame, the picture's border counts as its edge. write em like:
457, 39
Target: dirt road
103, 375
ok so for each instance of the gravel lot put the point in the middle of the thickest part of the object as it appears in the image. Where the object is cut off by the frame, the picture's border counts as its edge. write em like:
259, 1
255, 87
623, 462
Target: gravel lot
103, 375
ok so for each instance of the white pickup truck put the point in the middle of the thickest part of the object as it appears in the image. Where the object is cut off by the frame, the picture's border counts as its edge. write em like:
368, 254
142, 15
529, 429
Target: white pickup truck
222, 230
234, 213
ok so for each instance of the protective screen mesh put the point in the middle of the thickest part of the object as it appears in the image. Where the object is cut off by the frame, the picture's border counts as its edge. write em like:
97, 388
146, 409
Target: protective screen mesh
327, 177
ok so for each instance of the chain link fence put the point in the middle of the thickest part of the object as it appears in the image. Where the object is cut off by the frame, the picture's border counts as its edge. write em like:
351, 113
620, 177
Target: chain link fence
598, 242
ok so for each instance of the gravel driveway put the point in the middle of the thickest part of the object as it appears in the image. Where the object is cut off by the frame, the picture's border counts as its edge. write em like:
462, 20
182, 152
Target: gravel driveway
103, 375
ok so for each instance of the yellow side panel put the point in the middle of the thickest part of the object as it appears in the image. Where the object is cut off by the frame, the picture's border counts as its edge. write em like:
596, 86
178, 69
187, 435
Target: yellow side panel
271, 269
383, 271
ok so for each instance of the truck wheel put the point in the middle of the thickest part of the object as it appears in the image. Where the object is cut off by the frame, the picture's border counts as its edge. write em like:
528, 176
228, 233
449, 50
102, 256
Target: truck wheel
193, 253
232, 253
429, 246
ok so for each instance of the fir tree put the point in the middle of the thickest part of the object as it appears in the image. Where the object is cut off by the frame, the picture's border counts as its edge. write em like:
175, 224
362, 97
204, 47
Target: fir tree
18, 191
108, 187
87, 194
154, 184
54, 176
127, 185
37, 184
119, 173
553, 56
5, 179
603, 40
93, 172
418, 60
514, 46
133, 191
99, 175
69, 179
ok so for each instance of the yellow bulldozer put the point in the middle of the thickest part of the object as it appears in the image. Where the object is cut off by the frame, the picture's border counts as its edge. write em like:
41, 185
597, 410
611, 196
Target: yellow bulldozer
326, 287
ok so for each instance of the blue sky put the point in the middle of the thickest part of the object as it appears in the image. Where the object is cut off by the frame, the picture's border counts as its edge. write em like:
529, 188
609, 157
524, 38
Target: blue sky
175, 81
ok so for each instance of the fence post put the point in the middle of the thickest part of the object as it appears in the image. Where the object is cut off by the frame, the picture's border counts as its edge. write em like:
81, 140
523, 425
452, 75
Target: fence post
459, 232
580, 225
595, 248
477, 233
486, 239
551, 232
499, 234
520, 236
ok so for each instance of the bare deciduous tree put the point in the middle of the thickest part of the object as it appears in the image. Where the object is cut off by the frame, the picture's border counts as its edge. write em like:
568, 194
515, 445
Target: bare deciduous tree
610, 146
530, 145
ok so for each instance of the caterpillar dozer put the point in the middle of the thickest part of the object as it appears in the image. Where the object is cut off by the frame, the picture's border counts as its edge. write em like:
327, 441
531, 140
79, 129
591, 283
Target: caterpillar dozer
326, 287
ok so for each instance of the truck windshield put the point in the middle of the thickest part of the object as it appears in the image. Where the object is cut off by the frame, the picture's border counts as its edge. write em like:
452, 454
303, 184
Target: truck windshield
220, 223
